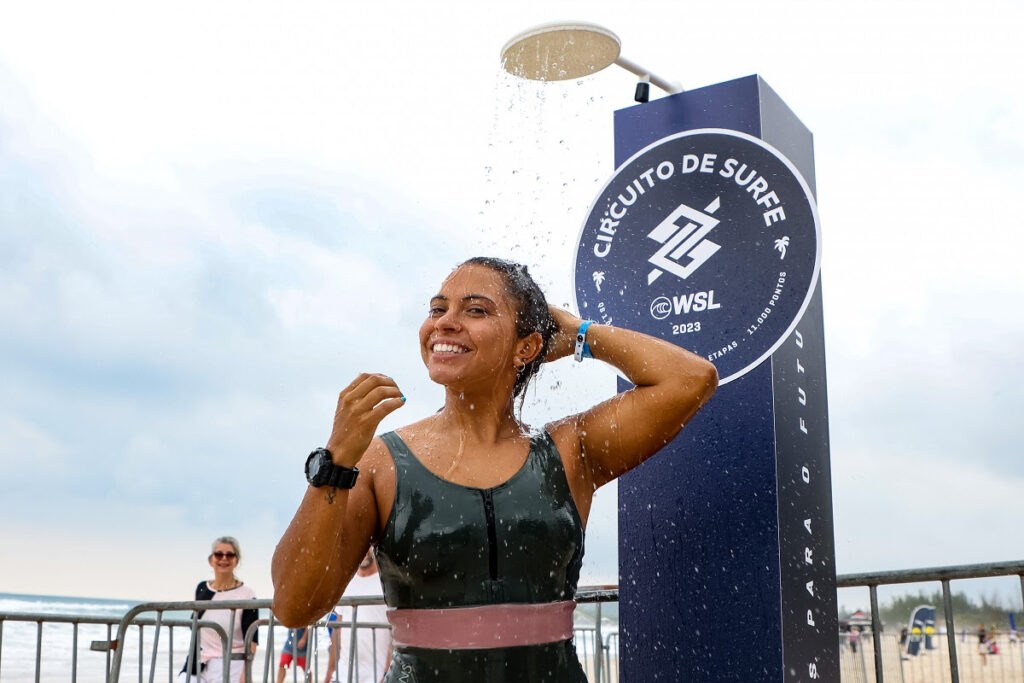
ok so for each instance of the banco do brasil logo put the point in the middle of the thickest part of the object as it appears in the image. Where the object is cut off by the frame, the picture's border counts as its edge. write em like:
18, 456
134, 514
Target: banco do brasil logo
708, 239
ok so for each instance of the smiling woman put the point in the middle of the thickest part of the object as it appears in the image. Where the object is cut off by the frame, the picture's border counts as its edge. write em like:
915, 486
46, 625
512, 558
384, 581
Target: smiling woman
506, 284
206, 662
477, 523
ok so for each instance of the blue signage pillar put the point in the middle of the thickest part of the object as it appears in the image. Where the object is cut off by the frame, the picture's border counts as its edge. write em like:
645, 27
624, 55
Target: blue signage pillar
708, 236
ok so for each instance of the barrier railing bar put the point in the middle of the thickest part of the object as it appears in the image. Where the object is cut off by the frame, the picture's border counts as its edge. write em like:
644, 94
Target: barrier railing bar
947, 608
353, 632
108, 650
373, 640
74, 653
227, 645
876, 632
312, 653
963, 571
156, 646
250, 635
193, 648
268, 656
903, 679
33, 617
39, 648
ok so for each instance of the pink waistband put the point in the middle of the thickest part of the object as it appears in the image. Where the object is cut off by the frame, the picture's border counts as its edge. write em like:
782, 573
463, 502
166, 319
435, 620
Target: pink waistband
486, 626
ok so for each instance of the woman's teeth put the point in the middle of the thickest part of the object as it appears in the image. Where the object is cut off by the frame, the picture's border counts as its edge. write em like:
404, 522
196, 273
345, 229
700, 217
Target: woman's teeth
448, 348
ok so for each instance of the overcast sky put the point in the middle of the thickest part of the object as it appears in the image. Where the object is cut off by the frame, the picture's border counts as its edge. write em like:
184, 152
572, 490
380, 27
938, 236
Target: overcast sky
214, 215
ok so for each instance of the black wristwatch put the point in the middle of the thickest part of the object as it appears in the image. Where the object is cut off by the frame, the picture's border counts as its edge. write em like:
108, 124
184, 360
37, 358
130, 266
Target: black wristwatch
321, 471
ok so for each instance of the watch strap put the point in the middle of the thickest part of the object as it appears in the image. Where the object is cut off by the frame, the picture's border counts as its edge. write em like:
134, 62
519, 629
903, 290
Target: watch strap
581, 347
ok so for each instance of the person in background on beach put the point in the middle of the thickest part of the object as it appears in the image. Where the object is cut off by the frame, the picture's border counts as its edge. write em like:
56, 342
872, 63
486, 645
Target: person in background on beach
478, 522
224, 558
373, 646
993, 644
295, 648
982, 644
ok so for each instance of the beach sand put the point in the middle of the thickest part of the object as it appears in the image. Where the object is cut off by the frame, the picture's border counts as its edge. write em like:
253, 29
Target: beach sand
932, 666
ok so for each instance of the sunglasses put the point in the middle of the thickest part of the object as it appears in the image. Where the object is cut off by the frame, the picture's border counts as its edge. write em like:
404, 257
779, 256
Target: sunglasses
222, 555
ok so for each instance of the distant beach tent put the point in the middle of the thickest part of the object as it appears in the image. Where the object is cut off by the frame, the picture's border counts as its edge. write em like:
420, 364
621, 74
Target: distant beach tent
921, 627
858, 618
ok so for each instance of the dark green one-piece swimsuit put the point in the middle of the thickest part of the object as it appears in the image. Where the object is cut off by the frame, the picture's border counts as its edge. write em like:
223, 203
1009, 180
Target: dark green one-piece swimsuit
446, 545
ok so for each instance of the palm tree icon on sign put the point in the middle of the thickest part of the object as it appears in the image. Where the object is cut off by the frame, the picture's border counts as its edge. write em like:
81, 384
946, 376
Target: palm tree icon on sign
598, 278
780, 246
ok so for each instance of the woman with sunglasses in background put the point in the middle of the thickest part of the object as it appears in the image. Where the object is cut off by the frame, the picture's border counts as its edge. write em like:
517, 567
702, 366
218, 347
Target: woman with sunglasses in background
209, 665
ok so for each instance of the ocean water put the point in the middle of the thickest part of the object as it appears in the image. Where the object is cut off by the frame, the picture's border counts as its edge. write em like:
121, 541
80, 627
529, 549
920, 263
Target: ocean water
53, 604
18, 639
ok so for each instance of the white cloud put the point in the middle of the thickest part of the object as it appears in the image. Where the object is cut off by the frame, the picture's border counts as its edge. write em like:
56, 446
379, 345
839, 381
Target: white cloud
25, 446
907, 509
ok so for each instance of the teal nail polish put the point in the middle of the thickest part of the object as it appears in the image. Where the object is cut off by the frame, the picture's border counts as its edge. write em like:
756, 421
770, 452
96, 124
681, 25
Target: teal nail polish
403, 399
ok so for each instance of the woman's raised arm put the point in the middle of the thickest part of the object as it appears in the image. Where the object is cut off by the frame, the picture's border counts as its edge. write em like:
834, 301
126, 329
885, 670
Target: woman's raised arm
333, 528
670, 384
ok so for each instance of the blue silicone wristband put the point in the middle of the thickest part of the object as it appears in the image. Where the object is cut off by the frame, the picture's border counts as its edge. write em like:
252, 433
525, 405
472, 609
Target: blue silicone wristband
582, 347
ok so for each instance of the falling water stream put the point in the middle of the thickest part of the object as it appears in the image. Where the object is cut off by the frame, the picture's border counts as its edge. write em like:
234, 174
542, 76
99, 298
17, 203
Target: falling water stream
549, 152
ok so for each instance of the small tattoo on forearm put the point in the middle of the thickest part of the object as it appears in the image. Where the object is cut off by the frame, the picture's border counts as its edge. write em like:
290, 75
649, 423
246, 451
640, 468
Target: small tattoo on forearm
330, 495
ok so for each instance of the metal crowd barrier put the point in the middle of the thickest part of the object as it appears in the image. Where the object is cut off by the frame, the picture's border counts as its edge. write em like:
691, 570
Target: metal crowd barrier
872, 580
108, 645
354, 626
596, 647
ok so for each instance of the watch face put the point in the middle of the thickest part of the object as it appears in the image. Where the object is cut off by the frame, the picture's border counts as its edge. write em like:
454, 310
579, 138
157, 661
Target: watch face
314, 464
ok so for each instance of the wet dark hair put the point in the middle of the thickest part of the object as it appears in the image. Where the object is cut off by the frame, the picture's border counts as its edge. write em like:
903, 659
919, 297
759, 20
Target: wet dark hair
532, 314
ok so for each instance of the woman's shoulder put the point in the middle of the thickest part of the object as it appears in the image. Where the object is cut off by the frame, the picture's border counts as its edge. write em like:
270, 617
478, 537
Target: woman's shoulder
420, 428
203, 591
565, 434
380, 452
405, 438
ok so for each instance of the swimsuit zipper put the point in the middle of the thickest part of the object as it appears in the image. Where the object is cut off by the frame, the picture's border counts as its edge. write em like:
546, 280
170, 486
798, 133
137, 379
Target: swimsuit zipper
492, 534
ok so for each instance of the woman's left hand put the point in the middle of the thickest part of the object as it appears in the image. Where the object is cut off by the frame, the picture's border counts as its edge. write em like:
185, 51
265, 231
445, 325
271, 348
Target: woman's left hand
563, 342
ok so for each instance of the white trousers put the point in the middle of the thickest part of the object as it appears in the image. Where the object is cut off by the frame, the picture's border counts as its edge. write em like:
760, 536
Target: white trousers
214, 672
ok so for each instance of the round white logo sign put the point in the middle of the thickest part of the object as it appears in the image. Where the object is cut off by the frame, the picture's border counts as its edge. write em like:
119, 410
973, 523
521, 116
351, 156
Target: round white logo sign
708, 239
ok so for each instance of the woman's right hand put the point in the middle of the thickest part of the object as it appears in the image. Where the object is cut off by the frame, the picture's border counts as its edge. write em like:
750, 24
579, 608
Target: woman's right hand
361, 407
333, 528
